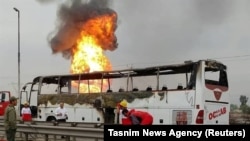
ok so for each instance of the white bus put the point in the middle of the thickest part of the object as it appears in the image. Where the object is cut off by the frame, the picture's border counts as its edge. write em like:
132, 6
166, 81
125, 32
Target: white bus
186, 93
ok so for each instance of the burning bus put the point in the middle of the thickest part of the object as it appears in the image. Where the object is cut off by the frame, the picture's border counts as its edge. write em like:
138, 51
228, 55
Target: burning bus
185, 93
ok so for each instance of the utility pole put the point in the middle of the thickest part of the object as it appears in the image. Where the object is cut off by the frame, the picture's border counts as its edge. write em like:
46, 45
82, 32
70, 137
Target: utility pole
18, 61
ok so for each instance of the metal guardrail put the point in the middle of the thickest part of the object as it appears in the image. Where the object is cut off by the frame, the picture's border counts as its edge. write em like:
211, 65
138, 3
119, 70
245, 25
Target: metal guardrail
95, 133
67, 124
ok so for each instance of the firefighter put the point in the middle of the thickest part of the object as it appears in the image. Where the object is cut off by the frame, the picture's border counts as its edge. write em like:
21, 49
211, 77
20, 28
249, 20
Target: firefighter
121, 106
138, 117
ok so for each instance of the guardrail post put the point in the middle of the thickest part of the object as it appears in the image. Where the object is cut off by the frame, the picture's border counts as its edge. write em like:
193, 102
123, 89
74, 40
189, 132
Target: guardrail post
46, 137
26, 136
67, 138
54, 137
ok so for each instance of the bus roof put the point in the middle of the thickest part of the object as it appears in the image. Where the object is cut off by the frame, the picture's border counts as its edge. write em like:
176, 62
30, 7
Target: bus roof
134, 72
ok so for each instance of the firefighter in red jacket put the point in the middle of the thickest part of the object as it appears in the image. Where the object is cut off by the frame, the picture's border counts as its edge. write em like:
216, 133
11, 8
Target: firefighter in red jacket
121, 106
138, 117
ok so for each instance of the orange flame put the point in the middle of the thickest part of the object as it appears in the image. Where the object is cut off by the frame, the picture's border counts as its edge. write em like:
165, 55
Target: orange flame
88, 56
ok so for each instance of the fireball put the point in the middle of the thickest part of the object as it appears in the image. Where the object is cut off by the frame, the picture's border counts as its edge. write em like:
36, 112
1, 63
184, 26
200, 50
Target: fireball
97, 34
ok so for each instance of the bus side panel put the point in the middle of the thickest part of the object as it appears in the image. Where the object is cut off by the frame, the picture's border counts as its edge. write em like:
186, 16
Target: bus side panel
168, 107
83, 115
216, 93
98, 115
161, 116
216, 113
217, 105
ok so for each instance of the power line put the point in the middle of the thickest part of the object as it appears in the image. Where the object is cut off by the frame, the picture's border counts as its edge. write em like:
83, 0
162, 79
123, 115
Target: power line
175, 61
232, 57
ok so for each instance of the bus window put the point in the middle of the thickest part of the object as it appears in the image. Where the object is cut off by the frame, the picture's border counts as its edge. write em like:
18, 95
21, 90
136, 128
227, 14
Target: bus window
216, 78
223, 79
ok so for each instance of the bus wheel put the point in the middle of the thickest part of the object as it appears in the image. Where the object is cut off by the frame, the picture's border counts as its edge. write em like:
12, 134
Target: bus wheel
51, 119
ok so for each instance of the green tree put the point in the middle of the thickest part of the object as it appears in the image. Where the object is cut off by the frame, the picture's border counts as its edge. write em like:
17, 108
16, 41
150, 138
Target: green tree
243, 100
245, 109
233, 107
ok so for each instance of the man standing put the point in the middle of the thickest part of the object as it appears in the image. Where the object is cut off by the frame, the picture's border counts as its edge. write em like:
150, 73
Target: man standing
61, 113
10, 119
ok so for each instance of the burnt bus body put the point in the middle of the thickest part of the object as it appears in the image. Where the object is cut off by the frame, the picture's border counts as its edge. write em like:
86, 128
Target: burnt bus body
185, 93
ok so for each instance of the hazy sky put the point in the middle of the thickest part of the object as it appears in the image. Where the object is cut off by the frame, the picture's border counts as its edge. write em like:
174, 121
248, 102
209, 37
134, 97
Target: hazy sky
149, 32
